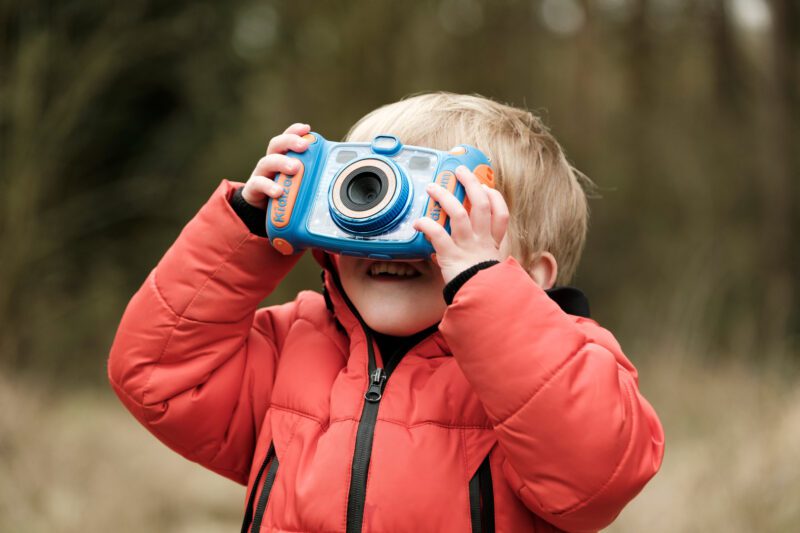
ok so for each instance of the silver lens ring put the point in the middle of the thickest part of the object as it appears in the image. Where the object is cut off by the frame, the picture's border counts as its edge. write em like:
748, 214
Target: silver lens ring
353, 169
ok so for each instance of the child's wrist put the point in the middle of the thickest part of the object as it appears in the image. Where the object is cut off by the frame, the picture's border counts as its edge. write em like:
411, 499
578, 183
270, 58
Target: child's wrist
452, 287
254, 218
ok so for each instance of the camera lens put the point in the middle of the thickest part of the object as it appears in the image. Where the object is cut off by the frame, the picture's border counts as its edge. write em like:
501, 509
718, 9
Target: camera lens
369, 196
364, 190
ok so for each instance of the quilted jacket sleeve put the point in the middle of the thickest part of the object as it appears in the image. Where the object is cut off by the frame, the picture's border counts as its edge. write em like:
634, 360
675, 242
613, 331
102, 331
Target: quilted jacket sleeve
579, 438
192, 359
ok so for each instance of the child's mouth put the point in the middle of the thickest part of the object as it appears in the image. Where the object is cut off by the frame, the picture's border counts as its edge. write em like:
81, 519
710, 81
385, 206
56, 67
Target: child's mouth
392, 271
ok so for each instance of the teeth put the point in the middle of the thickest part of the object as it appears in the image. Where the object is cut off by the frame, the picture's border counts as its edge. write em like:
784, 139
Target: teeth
392, 268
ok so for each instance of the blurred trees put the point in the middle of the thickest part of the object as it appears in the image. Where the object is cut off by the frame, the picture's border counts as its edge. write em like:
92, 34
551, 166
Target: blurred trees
117, 121
778, 125
102, 106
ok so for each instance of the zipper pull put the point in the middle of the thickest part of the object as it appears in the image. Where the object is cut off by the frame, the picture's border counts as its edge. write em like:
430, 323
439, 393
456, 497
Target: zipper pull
376, 382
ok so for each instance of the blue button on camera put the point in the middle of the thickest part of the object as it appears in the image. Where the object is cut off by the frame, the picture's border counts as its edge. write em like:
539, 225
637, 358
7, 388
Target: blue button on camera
386, 145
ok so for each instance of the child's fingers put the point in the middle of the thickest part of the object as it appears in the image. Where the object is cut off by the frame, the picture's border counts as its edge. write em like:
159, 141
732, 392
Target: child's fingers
500, 215
260, 185
460, 225
281, 144
259, 189
440, 239
298, 128
271, 164
480, 211
267, 186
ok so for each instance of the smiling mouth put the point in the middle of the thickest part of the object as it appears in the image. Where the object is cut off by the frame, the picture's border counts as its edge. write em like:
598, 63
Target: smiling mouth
392, 270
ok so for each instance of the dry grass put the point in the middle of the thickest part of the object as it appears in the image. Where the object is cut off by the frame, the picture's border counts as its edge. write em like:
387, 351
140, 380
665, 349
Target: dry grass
732, 461
78, 462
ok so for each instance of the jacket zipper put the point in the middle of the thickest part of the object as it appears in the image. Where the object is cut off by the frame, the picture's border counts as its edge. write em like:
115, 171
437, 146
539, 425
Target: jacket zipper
366, 425
364, 437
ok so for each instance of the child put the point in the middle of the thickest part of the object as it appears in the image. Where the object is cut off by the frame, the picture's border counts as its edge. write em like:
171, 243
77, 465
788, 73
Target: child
383, 406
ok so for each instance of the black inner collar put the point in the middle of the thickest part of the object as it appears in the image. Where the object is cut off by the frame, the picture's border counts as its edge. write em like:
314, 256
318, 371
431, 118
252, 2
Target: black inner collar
393, 348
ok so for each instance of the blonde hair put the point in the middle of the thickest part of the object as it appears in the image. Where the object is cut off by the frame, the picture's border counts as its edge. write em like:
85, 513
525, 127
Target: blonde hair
547, 203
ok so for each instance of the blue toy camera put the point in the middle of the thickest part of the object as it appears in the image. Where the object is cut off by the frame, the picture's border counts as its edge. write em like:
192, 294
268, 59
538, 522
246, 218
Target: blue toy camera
360, 199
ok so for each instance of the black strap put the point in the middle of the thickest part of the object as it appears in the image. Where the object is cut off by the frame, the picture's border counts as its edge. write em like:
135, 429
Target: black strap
481, 499
487, 495
475, 503
248, 512
265, 490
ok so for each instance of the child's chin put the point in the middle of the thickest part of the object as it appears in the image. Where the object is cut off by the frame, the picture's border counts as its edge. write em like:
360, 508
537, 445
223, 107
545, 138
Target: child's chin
404, 312
407, 294
400, 328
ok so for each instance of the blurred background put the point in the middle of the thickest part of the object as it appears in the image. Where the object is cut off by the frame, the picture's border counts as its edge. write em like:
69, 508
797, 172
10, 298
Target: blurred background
117, 121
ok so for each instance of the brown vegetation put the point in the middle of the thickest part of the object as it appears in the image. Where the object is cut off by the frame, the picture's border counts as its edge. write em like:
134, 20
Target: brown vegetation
77, 462
118, 120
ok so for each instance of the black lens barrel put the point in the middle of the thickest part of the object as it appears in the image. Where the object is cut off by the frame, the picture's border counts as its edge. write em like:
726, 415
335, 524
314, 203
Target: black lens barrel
364, 188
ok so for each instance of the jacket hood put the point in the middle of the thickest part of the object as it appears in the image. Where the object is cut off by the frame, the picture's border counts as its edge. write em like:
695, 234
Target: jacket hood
336, 300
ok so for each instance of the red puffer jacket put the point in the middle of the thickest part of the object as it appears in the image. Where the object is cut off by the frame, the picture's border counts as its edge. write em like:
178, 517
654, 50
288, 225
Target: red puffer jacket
513, 415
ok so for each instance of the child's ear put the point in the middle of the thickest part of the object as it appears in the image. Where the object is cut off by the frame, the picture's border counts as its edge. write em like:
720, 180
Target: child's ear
544, 269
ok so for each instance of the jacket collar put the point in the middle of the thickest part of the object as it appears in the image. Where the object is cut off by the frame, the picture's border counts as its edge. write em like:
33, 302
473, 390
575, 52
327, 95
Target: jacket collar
570, 299
347, 317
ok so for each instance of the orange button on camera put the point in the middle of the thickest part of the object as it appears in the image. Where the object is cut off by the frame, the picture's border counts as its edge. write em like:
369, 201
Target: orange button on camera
282, 246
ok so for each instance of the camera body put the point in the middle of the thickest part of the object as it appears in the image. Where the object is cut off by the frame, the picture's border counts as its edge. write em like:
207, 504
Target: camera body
361, 199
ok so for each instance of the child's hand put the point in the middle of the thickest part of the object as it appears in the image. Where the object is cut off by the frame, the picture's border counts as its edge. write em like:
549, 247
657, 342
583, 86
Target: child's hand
260, 187
476, 235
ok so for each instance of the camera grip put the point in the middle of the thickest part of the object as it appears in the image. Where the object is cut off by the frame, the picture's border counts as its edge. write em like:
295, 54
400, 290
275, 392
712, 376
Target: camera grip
485, 175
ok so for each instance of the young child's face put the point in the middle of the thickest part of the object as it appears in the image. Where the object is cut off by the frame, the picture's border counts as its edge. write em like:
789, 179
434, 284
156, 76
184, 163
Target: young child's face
393, 297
